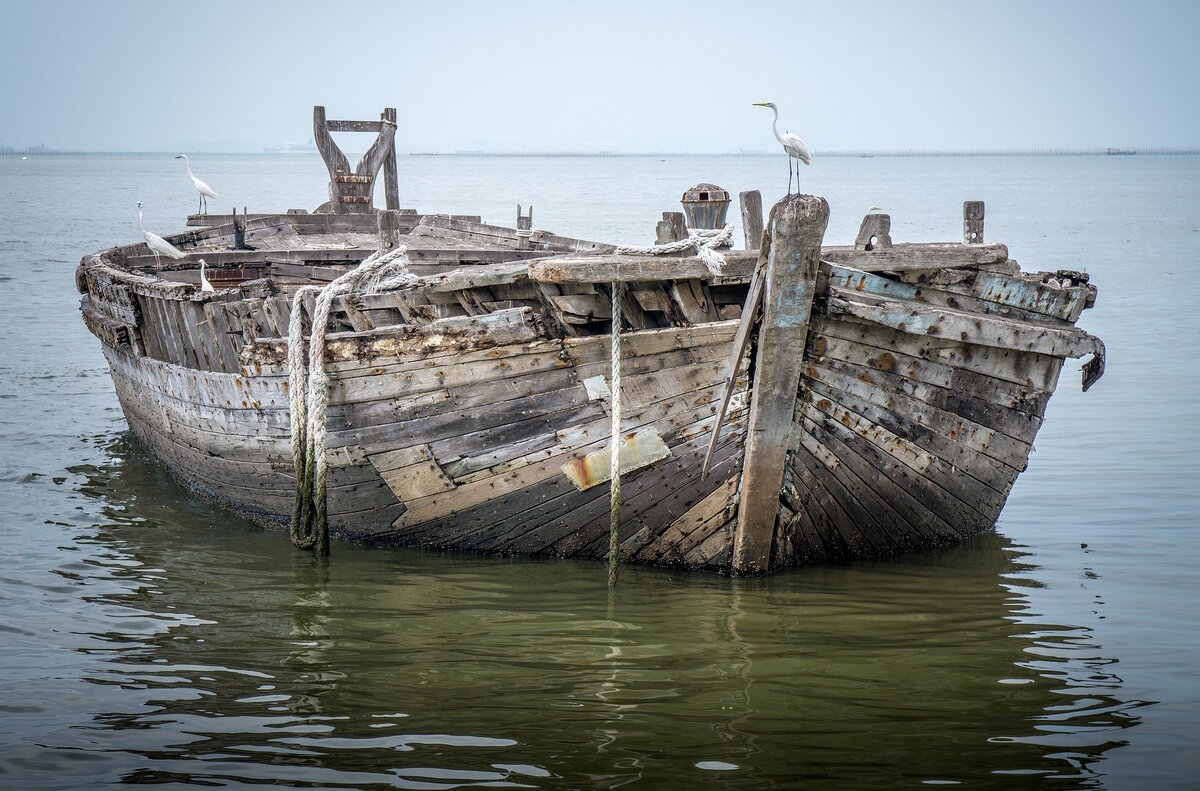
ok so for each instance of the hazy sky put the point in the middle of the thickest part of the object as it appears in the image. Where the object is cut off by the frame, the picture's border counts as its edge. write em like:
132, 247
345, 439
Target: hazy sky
636, 76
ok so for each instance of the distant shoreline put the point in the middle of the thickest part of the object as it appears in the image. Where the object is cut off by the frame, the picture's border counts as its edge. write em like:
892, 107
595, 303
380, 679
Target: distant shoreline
9, 152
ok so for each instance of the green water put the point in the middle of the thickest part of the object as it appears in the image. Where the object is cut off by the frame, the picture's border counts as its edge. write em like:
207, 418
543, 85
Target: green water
215, 653
147, 637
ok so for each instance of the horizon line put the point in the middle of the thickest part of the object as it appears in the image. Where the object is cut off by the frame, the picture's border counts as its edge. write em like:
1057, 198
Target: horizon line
9, 151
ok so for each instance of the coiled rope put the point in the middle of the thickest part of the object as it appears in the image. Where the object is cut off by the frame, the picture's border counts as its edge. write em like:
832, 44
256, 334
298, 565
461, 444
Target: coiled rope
705, 241
308, 391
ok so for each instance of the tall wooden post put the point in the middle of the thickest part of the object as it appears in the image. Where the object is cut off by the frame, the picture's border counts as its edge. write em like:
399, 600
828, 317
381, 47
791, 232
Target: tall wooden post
752, 222
796, 227
391, 179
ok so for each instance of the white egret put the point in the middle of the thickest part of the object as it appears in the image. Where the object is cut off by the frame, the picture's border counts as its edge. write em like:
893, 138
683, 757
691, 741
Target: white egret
204, 190
794, 146
157, 244
204, 284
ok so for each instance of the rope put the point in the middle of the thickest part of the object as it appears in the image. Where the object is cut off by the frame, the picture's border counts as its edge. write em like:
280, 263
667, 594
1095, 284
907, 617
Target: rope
705, 241
308, 391
614, 461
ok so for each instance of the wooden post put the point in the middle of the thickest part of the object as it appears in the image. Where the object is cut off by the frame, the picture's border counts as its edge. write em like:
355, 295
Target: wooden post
752, 221
796, 228
874, 232
671, 228
391, 179
239, 229
389, 229
973, 221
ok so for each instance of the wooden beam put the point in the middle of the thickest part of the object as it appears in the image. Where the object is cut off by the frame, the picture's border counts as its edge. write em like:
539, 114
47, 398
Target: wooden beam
752, 219
352, 126
637, 269
796, 227
940, 255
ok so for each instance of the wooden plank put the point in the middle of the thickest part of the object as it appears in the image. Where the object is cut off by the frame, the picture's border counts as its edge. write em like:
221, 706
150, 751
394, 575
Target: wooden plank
454, 334
168, 330
353, 126
847, 381
707, 509
900, 257
649, 499
1026, 292
1036, 371
226, 351
917, 319
849, 283
637, 269
1022, 397
955, 514
574, 441
796, 226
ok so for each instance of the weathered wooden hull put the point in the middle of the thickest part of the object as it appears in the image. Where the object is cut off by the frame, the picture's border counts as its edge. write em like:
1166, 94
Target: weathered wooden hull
472, 411
478, 450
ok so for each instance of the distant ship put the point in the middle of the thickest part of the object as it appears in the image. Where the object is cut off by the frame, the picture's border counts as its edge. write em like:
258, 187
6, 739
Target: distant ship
292, 148
1113, 152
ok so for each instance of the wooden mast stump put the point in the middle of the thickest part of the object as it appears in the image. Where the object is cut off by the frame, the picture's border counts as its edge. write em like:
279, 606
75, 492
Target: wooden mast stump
796, 227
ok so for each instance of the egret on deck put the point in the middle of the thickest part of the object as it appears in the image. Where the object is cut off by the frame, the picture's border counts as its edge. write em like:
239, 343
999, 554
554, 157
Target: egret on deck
204, 190
794, 146
157, 244
204, 284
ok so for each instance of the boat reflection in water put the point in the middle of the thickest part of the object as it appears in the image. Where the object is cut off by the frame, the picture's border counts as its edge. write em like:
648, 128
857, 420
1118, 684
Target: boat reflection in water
229, 657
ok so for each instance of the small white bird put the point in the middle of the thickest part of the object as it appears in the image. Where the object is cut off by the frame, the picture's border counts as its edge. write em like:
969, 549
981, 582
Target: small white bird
158, 245
204, 190
204, 284
794, 146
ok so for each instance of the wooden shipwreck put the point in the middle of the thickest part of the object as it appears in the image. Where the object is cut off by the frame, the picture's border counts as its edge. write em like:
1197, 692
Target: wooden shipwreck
856, 400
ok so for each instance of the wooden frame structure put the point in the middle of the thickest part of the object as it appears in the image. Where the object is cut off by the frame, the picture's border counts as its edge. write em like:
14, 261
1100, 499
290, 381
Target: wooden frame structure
353, 192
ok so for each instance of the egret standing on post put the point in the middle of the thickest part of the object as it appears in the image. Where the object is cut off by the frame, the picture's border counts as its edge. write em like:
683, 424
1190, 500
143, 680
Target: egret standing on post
157, 245
793, 145
204, 190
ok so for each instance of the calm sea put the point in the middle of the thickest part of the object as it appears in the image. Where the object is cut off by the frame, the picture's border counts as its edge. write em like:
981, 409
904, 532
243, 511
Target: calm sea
146, 637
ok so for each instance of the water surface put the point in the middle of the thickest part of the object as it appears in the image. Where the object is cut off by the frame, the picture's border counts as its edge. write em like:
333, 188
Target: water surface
146, 637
